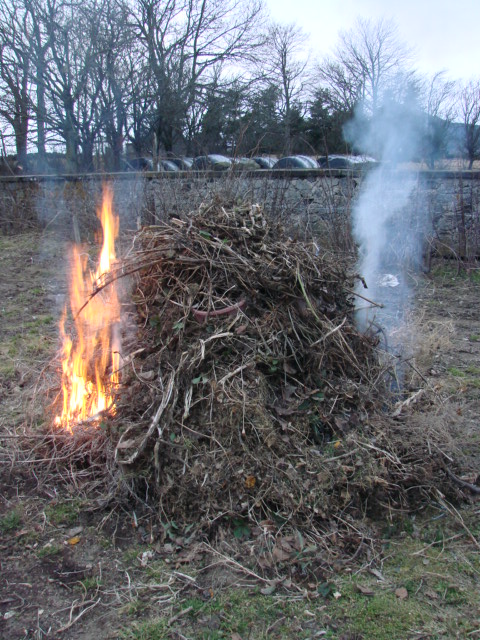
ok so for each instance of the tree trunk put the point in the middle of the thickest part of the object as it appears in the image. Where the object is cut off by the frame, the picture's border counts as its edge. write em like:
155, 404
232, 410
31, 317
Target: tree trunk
117, 148
41, 117
87, 154
70, 136
288, 136
21, 136
71, 150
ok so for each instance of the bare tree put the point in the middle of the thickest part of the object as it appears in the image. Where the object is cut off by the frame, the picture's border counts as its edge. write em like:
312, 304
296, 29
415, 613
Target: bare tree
15, 64
117, 65
287, 66
68, 47
470, 113
439, 112
184, 40
344, 89
365, 64
39, 44
141, 100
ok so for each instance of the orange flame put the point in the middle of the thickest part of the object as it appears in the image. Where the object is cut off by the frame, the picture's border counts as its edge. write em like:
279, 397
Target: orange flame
91, 363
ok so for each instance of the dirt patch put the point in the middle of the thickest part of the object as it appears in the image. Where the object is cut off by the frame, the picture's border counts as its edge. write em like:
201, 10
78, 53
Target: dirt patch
74, 567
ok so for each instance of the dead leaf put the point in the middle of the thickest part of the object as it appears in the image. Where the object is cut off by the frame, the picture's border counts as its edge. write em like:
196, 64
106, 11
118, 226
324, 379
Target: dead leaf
286, 543
280, 555
401, 593
74, 540
250, 482
267, 525
264, 562
236, 636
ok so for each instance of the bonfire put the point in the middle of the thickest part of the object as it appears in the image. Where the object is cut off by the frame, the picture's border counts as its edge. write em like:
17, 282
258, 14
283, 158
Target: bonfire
248, 394
91, 358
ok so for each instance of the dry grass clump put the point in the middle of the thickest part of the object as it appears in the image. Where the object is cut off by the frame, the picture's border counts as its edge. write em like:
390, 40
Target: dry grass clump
421, 342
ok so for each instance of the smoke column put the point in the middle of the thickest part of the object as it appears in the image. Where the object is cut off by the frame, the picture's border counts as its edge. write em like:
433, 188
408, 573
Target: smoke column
388, 222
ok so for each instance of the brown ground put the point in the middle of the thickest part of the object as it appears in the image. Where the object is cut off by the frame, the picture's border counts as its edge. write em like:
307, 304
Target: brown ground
72, 568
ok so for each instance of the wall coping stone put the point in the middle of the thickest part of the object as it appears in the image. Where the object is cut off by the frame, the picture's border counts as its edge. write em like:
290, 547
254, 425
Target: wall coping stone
277, 174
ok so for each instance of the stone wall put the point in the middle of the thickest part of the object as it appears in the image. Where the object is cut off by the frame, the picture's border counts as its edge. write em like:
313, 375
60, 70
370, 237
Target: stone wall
444, 205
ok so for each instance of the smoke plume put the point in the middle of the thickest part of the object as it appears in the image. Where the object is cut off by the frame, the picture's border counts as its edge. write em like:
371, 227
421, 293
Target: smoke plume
388, 218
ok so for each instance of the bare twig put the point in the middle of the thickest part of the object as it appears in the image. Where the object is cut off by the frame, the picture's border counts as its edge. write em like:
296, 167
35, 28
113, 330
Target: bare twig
72, 621
462, 483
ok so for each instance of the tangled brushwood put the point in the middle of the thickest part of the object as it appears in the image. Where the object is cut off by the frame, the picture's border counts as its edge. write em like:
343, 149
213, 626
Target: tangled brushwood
247, 393
251, 390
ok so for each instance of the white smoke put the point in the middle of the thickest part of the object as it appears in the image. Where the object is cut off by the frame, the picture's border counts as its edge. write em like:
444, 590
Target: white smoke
388, 221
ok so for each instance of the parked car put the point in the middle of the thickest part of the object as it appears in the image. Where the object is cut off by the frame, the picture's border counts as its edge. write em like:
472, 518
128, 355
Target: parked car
213, 161
295, 162
265, 162
184, 164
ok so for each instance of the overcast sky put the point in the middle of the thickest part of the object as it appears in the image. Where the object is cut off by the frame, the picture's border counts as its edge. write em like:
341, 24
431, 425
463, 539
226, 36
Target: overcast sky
444, 33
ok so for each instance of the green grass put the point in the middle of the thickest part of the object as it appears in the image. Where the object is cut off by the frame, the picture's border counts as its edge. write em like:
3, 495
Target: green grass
235, 611
470, 376
27, 326
91, 583
149, 630
135, 608
431, 558
475, 276
451, 271
10, 522
39, 322
380, 616
38, 291
132, 554
472, 370
49, 550
65, 513
457, 373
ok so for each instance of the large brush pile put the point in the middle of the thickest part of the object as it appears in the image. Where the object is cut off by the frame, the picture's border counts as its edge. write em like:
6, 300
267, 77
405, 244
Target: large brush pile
252, 371
251, 389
